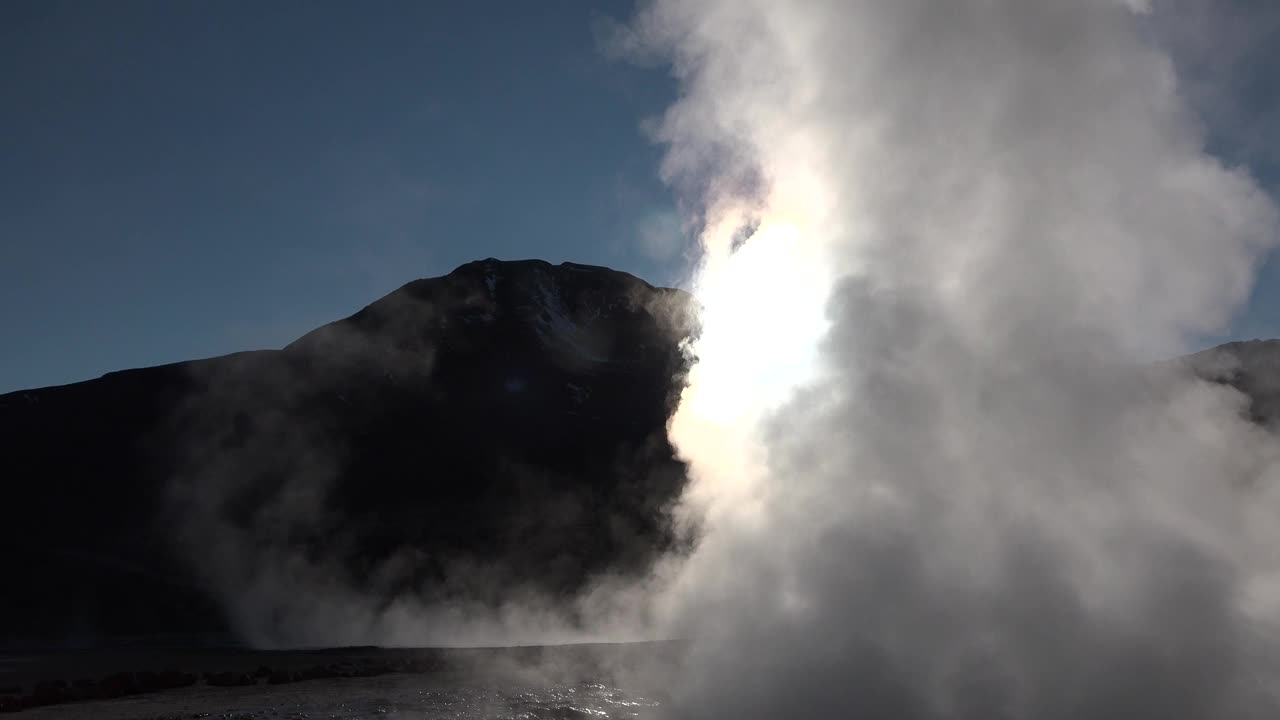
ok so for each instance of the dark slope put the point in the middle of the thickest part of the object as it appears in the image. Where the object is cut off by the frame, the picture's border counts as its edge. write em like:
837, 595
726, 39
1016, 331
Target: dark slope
509, 416
1250, 366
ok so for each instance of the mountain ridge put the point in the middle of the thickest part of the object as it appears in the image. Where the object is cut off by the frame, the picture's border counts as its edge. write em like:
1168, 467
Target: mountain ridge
494, 431
465, 267
508, 416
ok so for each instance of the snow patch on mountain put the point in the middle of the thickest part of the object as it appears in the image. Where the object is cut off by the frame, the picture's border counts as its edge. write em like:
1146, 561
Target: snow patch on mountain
555, 325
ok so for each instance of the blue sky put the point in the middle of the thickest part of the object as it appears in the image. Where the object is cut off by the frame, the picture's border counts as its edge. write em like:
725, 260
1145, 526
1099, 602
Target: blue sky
187, 179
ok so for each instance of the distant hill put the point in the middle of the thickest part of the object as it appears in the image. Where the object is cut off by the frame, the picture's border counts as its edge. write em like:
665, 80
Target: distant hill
499, 428
1250, 366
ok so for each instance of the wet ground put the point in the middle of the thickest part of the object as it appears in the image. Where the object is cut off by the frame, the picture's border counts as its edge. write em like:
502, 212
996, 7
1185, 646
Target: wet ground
391, 696
560, 682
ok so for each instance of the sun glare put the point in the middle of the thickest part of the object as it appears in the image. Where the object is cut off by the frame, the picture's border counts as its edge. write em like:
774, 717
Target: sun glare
762, 318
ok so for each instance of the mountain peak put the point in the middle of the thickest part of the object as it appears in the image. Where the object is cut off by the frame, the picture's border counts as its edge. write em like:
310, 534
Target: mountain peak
509, 416
573, 309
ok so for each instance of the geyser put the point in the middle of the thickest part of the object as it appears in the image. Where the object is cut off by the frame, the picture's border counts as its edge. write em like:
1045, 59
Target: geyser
943, 243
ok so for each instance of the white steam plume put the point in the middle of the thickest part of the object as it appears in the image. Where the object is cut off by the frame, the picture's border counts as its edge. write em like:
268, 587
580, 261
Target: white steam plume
943, 241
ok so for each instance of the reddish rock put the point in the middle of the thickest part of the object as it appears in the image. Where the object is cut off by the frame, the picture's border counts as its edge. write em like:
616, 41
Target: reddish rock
49, 692
118, 685
281, 677
229, 679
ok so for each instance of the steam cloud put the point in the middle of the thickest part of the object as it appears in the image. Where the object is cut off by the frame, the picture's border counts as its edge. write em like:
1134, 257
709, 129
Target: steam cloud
943, 243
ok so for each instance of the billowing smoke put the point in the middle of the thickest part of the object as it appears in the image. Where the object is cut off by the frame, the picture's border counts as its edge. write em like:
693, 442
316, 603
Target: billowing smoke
359, 488
944, 242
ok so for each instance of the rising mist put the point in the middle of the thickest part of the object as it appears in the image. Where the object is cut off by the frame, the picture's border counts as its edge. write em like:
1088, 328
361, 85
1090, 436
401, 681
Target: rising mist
943, 243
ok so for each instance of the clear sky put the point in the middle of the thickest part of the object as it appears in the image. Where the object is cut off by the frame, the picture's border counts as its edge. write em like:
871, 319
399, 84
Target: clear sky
186, 179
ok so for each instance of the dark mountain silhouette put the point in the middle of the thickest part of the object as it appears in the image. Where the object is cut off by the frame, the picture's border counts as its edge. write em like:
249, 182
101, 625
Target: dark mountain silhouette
1250, 366
508, 418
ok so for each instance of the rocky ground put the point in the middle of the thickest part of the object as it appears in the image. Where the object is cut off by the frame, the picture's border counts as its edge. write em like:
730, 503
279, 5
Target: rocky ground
170, 682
